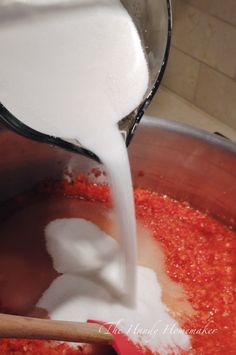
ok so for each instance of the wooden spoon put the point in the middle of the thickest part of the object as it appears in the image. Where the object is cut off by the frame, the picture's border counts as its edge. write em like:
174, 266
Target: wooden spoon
34, 328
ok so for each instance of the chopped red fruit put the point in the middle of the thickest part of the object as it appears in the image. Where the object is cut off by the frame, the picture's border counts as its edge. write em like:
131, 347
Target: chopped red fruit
200, 254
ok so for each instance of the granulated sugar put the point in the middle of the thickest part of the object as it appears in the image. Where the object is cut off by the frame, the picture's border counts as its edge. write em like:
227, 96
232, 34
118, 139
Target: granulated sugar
91, 252
96, 295
73, 69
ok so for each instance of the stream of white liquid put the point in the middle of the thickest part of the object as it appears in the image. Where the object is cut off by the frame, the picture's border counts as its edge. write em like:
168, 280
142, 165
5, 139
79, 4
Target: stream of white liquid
74, 73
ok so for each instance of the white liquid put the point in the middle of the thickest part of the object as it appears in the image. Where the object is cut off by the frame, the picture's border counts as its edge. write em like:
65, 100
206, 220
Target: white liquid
74, 74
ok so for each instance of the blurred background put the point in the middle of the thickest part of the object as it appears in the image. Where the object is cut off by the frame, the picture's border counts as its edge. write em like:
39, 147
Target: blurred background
199, 86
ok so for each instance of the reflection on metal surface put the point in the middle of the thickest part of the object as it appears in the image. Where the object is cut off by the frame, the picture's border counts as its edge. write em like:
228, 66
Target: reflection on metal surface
182, 162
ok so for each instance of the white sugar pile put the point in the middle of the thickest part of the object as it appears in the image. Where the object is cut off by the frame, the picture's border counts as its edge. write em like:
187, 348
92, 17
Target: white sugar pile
91, 252
96, 295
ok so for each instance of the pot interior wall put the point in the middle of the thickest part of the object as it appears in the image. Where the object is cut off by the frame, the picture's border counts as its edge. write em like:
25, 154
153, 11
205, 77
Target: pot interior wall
181, 162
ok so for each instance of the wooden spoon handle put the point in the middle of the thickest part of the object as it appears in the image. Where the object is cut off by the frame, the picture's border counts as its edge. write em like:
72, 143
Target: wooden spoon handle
34, 328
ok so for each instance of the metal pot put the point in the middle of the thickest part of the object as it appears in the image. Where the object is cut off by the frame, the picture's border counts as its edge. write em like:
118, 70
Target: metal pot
182, 162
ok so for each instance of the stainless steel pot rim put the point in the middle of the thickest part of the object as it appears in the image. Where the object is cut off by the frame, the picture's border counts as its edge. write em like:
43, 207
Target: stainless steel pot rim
188, 130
